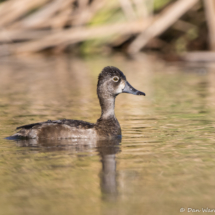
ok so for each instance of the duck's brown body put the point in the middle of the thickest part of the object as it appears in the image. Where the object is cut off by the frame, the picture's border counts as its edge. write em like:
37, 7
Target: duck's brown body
67, 128
111, 83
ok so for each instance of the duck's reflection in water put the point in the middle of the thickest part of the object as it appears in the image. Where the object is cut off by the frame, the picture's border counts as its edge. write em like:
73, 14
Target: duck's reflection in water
107, 150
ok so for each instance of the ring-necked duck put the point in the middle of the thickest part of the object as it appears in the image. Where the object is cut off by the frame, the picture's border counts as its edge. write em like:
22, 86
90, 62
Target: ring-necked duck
111, 82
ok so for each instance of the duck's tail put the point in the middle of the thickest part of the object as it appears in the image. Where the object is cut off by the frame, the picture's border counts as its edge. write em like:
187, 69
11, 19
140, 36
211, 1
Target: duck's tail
20, 135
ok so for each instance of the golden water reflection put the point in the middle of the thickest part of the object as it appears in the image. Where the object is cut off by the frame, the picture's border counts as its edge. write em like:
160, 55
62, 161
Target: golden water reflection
164, 162
107, 150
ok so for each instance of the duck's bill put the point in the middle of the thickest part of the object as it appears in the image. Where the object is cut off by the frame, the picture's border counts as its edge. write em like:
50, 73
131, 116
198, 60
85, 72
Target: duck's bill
129, 89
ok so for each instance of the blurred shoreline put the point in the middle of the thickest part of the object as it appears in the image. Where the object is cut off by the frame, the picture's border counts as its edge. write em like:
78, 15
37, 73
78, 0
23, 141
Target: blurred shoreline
172, 30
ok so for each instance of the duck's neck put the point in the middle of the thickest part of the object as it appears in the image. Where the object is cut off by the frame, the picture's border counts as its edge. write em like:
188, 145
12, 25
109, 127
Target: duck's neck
107, 106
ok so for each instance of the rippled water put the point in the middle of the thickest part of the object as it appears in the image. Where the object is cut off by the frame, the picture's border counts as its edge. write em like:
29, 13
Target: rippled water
164, 162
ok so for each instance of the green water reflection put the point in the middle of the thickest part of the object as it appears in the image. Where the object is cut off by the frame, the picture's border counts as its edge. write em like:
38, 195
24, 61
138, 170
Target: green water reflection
164, 162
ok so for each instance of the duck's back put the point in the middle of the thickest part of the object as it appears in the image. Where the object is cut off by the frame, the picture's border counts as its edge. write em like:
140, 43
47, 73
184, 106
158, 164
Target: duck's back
57, 129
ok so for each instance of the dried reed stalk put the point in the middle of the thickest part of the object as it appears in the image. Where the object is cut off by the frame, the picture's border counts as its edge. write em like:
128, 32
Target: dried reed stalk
8, 36
12, 10
205, 56
75, 35
41, 18
83, 16
128, 10
210, 15
161, 22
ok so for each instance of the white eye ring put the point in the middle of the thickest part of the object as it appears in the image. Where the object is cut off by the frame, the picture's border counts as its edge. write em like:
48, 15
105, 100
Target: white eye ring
115, 78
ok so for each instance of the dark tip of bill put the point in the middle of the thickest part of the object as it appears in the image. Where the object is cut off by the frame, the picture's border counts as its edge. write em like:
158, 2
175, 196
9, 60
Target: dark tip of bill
140, 93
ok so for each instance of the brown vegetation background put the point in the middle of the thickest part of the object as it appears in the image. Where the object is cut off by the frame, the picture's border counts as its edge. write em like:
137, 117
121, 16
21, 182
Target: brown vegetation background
168, 27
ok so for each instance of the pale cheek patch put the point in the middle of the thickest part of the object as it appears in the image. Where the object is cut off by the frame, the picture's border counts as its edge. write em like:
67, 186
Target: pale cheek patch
120, 87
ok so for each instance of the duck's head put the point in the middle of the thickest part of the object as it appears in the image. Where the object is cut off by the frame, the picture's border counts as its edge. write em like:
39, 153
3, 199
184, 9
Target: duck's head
112, 82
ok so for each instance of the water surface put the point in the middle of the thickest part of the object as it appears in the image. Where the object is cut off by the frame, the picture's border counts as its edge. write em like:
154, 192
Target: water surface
164, 162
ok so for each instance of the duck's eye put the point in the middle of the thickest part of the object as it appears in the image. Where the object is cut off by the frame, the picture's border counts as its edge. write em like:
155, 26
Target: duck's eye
115, 78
